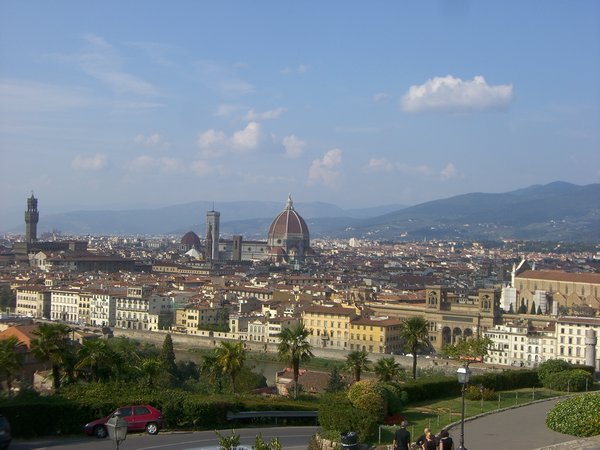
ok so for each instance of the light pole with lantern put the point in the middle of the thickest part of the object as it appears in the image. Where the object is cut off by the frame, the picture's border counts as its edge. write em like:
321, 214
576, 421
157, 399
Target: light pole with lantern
117, 428
463, 378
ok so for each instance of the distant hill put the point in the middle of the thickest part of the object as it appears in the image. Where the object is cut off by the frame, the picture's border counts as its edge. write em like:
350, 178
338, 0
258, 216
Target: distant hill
244, 217
556, 211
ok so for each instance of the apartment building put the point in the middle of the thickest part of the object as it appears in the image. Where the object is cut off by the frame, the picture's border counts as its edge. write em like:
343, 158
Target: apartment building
520, 345
329, 325
33, 301
102, 309
64, 305
570, 338
375, 335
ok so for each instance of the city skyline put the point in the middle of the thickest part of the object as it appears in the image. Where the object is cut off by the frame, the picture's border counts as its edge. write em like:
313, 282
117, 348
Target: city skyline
109, 105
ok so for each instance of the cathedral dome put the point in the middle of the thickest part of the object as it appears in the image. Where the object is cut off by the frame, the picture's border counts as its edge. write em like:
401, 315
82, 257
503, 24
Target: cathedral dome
191, 240
288, 234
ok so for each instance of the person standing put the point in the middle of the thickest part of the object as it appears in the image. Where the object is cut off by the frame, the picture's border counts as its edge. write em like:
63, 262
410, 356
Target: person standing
446, 442
421, 439
429, 442
402, 437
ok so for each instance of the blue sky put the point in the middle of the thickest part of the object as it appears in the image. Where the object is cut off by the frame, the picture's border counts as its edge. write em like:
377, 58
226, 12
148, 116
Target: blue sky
116, 104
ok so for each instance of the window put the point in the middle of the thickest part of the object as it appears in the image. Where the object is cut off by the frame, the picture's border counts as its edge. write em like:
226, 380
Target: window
125, 412
140, 410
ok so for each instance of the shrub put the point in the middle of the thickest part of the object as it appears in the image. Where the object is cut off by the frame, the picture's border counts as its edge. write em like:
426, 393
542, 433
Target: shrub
430, 388
507, 379
395, 396
577, 416
338, 415
576, 380
551, 366
369, 396
476, 393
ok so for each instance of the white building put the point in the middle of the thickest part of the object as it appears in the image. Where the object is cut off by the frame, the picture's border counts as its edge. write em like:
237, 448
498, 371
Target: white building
102, 309
64, 305
570, 338
520, 345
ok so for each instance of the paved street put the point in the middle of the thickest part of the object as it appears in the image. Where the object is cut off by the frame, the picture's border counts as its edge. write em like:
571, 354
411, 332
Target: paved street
516, 429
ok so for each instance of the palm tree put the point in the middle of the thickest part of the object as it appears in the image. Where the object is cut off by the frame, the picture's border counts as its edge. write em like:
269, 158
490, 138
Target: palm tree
10, 360
414, 331
230, 358
51, 345
94, 354
387, 369
357, 362
294, 348
210, 369
151, 369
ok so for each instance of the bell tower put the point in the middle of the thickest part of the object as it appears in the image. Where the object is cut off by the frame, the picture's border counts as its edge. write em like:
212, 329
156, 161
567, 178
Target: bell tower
32, 216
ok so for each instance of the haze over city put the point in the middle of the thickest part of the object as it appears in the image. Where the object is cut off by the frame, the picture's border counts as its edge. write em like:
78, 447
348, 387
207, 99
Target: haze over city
140, 104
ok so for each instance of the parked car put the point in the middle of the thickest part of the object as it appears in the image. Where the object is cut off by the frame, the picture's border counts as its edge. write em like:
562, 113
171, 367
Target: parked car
5, 436
138, 417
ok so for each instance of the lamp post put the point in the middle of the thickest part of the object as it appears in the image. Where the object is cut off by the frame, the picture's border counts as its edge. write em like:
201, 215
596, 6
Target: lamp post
463, 378
117, 428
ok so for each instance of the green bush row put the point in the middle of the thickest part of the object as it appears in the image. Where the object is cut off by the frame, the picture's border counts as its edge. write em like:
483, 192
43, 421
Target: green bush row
576, 380
577, 416
69, 411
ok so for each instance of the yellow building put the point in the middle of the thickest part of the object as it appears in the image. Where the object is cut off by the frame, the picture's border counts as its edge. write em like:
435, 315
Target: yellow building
193, 318
375, 335
33, 301
329, 325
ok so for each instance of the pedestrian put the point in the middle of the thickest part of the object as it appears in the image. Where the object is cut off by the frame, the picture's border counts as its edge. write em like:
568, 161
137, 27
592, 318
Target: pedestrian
402, 437
446, 441
421, 439
429, 443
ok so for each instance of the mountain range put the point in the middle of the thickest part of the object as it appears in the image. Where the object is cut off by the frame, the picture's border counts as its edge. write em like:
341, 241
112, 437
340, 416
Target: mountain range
556, 211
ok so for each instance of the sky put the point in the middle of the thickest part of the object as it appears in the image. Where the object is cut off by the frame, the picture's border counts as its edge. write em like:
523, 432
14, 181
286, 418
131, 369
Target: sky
136, 104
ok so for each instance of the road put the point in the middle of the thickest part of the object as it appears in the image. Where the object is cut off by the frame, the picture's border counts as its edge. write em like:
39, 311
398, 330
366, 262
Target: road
521, 428
292, 438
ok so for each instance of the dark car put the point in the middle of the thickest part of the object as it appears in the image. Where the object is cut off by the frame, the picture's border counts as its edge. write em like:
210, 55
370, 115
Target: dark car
138, 417
5, 436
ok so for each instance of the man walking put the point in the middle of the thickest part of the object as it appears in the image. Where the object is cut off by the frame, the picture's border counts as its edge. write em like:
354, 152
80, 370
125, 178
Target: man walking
402, 437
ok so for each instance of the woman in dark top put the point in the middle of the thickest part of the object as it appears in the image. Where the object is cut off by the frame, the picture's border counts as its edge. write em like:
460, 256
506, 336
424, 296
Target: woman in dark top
429, 442
446, 441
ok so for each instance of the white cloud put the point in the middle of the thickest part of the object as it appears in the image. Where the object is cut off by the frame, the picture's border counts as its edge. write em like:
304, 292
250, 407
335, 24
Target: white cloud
381, 97
213, 143
453, 94
96, 162
300, 69
222, 79
248, 138
324, 169
449, 172
163, 164
31, 96
101, 61
148, 141
384, 165
267, 115
294, 146
225, 110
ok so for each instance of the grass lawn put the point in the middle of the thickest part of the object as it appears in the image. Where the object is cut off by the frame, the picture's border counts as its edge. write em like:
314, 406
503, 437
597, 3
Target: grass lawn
438, 414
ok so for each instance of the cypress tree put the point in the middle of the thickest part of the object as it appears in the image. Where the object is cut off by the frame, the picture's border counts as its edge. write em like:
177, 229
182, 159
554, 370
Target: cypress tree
168, 356
532, 311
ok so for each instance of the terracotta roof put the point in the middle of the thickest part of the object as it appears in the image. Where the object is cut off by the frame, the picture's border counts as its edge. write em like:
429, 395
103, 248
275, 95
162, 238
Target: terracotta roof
318, 309
581, 320
288, 222
557, 275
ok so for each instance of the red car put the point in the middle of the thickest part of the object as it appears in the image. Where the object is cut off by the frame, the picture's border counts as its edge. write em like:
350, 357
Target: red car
138, 417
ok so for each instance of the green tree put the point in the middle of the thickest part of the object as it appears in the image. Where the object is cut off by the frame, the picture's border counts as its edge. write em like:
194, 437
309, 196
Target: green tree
469, 350
211, 371
335, 383
151, 368
523, 307
414, 331
52, 345
230, 358
532, 310
357, 362
294, 348
387, 369
168, 356
11, 360
95, 355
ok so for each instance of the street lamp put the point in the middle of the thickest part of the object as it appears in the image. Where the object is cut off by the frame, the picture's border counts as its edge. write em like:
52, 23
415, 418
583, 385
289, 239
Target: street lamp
117, 428
463, 378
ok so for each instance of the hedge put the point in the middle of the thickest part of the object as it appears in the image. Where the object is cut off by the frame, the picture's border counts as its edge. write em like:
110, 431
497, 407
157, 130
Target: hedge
576, 380
576, 416
337, 415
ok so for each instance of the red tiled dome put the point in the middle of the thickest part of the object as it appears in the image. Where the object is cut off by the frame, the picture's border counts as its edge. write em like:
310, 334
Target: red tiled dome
288, 231
192, 240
